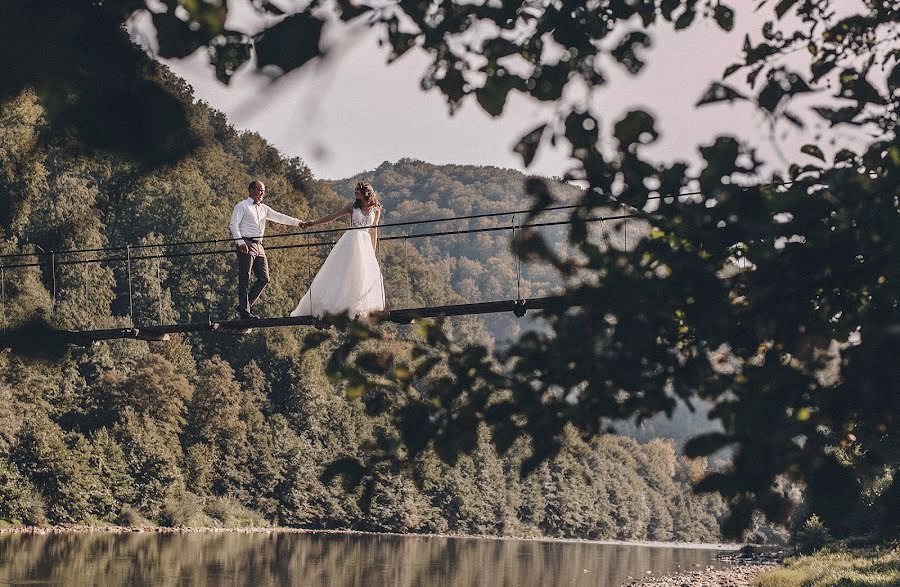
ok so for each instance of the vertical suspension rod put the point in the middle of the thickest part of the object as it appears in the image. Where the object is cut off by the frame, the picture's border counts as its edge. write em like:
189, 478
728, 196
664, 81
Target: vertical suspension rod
309, 273
130, 298
3, 295
159, 292
53, 271
518, 271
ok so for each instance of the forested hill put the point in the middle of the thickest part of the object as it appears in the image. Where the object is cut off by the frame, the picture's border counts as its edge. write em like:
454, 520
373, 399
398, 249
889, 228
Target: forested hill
216, 430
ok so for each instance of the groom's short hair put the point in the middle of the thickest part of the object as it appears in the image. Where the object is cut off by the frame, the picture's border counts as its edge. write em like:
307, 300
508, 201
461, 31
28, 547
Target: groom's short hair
253, 184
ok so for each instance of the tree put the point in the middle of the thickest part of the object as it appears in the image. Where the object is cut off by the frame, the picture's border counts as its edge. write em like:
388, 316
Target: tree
57, 465
214, 420
794, 282
155, 389
152, 461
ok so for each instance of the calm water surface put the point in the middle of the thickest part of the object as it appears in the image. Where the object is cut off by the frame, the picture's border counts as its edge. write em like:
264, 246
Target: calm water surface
325, 559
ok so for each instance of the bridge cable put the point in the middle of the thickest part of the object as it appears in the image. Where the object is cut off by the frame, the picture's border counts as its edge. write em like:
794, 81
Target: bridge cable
324, 243
395, 224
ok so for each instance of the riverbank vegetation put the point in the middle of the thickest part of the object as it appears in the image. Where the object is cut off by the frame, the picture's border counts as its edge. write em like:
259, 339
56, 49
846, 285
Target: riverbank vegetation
837, 566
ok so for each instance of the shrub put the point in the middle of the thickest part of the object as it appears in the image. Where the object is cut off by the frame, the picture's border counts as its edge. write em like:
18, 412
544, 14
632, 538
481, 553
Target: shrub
181, 509
812, 536
20, 502
230, 513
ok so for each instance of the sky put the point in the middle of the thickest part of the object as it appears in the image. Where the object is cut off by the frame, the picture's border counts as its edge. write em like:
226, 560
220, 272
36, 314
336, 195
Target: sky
352, 112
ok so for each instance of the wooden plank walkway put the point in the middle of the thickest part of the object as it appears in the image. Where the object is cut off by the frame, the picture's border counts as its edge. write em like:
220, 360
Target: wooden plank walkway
161, 332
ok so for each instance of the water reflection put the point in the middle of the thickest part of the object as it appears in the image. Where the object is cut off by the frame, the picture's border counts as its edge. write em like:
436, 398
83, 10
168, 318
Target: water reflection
323, 559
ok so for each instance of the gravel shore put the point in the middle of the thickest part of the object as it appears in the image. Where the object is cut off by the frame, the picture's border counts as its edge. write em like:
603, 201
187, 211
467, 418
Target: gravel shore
736, 570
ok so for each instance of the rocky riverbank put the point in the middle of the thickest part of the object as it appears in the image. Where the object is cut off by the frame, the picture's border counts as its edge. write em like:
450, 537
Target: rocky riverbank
735, 570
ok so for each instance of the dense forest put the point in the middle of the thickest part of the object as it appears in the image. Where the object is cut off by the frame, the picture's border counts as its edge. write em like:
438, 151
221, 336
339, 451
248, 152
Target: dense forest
219, 430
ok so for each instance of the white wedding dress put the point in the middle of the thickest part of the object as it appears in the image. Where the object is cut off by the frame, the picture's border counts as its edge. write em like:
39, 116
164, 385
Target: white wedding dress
350, 279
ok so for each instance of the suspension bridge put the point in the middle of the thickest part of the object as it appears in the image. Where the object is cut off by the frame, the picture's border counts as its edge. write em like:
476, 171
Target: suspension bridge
53, 261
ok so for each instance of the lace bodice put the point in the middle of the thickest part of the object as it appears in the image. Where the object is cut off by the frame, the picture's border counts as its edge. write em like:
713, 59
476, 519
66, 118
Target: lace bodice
358, 219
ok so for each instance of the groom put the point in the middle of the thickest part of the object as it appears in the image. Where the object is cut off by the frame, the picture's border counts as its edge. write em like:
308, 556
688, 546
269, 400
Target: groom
248, 225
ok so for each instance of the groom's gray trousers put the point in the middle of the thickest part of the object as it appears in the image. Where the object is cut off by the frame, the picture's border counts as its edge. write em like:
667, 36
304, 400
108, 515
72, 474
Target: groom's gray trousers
253, 260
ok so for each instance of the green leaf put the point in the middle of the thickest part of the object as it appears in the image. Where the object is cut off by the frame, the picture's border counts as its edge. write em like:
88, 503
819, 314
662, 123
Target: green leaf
821, 67
492, 96
813, 151
356, 389
685, 20
291, 43
667, 7
528, 145
844, 155
893, 80
724, 483
625, 52
780, 84
400, 42
837, 116
375, 362
315, 339
175, 38
724, 16
228, 53
731, 69
350, 10
348, 468
706, 444
541, 196
720, 93
498, 47
636, 127
782, 7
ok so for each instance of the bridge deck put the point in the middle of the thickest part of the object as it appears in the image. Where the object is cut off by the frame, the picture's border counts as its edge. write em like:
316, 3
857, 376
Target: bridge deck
161, 332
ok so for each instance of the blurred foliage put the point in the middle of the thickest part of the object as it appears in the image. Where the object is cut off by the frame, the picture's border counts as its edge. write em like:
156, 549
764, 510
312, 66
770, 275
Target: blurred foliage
777, 301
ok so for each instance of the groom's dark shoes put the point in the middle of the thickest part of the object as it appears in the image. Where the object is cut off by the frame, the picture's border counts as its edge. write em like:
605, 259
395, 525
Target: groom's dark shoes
247, 314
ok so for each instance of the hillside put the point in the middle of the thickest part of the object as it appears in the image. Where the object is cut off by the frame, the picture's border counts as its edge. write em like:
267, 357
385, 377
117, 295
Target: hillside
217, 430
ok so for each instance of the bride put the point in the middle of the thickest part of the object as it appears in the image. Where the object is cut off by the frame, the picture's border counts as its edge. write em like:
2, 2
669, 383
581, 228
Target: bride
350, 279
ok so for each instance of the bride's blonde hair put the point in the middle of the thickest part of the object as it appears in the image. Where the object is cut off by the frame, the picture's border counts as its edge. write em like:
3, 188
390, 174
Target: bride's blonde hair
368, 192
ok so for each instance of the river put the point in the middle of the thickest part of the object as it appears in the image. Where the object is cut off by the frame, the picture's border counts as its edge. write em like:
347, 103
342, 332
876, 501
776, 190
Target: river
280, 558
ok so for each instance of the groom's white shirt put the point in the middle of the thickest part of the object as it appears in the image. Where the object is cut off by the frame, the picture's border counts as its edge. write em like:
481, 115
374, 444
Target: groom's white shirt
249, 220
